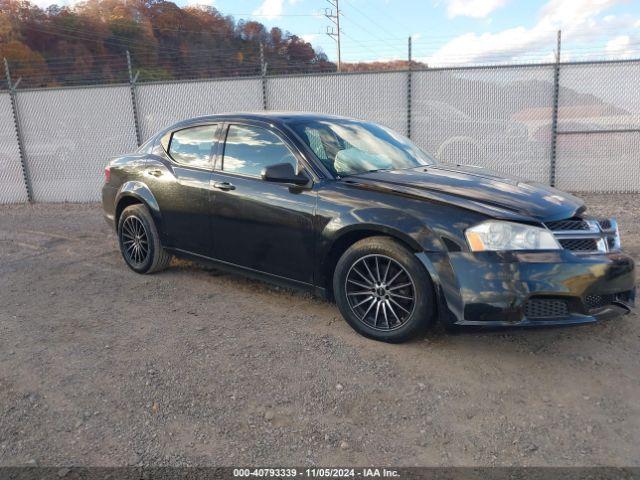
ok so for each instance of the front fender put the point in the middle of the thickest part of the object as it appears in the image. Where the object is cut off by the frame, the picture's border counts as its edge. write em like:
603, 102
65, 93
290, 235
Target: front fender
342, 231
388, 221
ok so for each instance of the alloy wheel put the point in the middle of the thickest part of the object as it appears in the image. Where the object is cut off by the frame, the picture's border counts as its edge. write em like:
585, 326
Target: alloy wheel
380, 292
135, 241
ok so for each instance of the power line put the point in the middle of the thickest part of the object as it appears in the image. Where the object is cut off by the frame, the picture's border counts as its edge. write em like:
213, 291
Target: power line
350, 2
361, 27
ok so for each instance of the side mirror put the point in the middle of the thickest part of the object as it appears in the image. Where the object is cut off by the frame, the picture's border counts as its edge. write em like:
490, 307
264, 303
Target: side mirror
283, 173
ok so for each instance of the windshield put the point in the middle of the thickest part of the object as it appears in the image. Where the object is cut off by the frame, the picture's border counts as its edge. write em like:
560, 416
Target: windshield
349, 147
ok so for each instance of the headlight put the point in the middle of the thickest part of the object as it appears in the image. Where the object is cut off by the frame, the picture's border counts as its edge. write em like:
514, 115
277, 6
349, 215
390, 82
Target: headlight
496, 235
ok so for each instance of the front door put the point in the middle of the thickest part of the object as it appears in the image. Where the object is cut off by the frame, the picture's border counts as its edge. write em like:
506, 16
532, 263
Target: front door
264, 226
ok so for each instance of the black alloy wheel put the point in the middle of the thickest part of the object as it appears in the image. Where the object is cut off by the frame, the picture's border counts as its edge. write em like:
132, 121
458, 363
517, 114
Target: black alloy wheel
383, 291
139, 241
135, 241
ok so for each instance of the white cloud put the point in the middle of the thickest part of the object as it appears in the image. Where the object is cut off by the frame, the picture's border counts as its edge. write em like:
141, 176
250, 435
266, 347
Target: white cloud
309, 37
44, 4
270, 9
472, 8
201, 3
577, 18
620, 46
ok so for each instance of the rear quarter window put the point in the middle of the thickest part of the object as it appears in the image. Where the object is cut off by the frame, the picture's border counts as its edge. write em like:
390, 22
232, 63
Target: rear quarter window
193, 146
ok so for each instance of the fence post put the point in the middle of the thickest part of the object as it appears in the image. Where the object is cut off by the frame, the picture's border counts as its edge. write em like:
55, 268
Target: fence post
134, 102
16, 122
409, 90
263, 76
554, 113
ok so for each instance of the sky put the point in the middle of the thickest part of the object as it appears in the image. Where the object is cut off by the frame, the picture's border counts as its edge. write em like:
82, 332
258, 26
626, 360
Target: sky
446, 32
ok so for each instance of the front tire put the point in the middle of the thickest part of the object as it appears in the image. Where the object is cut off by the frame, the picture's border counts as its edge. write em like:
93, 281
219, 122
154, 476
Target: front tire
139, 241
383, 291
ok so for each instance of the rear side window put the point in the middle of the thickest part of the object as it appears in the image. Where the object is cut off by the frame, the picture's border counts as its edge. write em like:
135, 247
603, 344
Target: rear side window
249, 149
192, 146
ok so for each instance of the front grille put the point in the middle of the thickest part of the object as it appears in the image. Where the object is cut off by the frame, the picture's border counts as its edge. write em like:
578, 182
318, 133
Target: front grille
584, 236
568, 224
545, 308
580, 244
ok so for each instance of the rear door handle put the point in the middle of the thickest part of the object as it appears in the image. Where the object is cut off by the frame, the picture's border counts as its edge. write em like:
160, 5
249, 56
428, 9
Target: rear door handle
224, 186
154, 172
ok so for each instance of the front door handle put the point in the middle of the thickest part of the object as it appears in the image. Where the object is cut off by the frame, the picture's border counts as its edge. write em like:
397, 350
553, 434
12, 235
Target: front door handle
154, 172
224, 186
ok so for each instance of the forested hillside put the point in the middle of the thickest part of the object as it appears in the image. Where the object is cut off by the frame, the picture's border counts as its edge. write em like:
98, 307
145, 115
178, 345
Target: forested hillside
87, 43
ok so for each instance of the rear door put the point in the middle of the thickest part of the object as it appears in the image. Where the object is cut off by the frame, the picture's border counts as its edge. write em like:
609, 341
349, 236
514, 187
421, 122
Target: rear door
261, 225
179, 179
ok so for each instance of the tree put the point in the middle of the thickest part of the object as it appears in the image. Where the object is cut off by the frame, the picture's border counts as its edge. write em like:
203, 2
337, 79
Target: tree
86, 43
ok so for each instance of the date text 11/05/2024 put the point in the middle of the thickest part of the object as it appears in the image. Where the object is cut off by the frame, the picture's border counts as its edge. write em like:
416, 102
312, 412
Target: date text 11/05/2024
369, 472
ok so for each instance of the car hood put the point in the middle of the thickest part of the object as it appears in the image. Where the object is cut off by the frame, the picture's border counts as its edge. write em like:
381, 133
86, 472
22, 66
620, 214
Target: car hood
477, 189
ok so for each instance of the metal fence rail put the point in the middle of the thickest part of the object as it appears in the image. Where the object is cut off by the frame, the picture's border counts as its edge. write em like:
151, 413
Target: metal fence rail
505, 118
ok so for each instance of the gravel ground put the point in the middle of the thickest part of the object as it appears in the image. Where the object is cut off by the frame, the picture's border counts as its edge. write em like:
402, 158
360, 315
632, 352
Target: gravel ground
101, 366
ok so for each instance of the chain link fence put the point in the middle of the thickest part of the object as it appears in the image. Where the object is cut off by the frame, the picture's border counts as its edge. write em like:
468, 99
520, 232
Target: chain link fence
378, 97
69, 134
599, 127
12, 183
162, 104
501, 117
486, 117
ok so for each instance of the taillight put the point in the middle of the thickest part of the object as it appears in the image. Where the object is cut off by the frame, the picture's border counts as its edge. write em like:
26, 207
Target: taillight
107, 174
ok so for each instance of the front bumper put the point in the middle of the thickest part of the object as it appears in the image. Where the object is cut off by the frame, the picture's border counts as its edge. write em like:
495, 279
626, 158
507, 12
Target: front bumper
496, 288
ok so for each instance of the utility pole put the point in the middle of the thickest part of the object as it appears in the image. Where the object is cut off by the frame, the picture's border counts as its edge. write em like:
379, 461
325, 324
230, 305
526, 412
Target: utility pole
335, 19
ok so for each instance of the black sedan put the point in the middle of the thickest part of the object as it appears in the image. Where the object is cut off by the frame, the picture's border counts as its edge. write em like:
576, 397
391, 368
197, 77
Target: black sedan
356, 212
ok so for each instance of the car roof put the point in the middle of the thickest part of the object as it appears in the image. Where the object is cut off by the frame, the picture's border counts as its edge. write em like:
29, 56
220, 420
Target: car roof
267, 116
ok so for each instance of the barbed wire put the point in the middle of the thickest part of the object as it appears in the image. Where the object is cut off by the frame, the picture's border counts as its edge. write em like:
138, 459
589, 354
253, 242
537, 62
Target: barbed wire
155, 60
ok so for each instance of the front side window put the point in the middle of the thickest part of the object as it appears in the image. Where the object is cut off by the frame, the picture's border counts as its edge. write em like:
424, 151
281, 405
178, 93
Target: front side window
348, 147
250, 149
192, 146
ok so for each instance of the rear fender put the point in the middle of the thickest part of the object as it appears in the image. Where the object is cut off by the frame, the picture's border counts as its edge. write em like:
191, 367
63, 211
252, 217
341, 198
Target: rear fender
141, 192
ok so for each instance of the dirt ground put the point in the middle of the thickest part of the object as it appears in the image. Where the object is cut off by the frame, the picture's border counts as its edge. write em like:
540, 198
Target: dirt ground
101, 366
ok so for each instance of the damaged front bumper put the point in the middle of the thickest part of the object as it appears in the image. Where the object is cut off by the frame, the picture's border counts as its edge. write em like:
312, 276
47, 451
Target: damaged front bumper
531, 288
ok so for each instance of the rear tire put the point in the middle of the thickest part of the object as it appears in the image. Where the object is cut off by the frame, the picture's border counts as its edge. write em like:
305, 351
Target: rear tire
139, 241
383, 291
